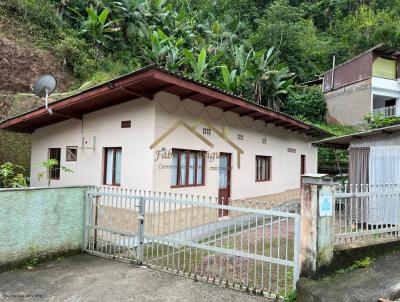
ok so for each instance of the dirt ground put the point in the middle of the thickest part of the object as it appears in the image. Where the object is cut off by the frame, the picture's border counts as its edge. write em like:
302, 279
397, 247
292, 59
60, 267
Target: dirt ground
90, 278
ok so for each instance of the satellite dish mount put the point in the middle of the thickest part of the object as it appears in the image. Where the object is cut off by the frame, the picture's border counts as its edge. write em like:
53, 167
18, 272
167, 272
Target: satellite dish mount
45, 86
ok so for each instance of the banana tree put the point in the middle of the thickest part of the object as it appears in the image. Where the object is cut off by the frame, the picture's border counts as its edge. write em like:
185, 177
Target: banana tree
96, 27
200, 65
271, 80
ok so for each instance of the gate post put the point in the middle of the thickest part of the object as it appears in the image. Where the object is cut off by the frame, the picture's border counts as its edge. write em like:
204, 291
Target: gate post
317, 223
140, 250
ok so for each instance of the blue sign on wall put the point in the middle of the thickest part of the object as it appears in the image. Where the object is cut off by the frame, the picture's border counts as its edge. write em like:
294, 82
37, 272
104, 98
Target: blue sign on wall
325, 203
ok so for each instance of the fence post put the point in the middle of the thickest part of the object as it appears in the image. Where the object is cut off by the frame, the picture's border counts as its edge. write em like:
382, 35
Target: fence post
317, 223
140, 250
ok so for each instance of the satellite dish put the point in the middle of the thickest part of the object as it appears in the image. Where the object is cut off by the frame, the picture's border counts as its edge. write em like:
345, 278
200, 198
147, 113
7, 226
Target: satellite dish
45, 86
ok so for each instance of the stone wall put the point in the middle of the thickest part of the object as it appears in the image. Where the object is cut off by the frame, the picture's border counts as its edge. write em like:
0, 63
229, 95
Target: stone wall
39, 222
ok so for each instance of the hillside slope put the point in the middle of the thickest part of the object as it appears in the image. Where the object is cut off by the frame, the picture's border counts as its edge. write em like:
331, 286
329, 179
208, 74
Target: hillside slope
21, 63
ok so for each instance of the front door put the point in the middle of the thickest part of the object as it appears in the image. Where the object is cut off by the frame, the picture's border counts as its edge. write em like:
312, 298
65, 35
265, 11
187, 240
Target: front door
224, 192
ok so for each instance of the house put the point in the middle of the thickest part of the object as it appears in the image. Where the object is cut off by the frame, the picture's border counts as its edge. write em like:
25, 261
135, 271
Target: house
368, 83
374, 168
157, 130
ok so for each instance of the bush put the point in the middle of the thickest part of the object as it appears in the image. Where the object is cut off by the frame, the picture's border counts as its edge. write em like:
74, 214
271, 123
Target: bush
76, 55
379, 120
306, 103
38, 18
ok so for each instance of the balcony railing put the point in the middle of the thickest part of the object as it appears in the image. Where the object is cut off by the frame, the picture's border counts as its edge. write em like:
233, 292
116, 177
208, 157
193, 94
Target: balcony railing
387, 111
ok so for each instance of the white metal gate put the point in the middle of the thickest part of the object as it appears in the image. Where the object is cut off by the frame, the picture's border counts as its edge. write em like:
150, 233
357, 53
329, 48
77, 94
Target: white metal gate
251, 249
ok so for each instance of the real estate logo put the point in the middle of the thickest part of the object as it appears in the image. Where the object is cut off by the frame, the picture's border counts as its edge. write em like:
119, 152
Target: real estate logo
192, 129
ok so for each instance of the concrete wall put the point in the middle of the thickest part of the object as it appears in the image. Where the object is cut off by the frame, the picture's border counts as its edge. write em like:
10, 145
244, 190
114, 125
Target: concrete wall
150, 119
38, 222
349, 105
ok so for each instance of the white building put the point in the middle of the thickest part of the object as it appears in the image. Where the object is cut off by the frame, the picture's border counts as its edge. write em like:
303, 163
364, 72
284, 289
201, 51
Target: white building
155, 130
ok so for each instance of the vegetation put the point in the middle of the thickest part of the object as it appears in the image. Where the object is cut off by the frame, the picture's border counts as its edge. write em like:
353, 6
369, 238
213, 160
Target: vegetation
12, 176
379, 120
362, 263
48, 165
248, 47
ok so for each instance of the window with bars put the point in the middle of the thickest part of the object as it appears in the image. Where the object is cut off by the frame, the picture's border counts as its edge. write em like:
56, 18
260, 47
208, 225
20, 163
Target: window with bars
112, 166
188, 168
263, 168
54, 172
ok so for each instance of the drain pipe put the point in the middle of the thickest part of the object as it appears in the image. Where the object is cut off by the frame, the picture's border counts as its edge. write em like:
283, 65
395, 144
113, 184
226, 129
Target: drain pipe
333, 71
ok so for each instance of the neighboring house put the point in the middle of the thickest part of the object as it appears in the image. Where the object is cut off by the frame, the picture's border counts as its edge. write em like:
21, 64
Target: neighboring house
365, 84
159, 131
374, 166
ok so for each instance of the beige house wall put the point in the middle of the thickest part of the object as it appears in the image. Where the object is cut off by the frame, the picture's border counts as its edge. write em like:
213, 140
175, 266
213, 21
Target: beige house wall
106, 126
285, 171
141, 169
348, 105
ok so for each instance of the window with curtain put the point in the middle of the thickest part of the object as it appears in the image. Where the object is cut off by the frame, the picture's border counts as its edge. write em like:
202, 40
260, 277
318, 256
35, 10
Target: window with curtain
187, 168
263, 168
112, 166
54, 172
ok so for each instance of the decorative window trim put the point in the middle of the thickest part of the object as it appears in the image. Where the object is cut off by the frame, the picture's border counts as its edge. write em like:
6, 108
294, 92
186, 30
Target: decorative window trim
178, 167
267, 166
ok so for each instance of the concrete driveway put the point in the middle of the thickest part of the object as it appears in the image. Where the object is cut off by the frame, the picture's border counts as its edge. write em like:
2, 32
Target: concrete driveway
90, 278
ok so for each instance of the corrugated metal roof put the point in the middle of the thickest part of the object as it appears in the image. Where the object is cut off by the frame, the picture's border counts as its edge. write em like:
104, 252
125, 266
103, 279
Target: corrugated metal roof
343, 142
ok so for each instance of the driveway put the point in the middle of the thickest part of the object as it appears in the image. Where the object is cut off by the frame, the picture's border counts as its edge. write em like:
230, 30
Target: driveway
89, 278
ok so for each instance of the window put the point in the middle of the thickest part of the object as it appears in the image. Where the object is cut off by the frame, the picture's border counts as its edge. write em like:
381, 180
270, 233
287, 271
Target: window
112, 166
240, 137
207, 131
71, 153
263, 168
54, 172
125, 124
187, 168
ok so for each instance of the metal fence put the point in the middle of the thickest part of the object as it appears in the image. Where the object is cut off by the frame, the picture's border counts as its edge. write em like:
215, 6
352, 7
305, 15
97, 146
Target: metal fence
250, 249
367, 213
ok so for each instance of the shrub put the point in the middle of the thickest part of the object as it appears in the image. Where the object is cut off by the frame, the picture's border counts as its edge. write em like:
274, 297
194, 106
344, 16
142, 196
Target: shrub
306, 102
379, 120
76, 55
38, 17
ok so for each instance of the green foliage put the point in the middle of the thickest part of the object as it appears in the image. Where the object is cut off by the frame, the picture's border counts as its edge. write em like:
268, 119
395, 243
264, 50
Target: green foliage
96, 27
76, 54
306, 103
11, 176
332, 161
291, 297
10, 142
48, 165
363, 263
37, 17
379, 120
